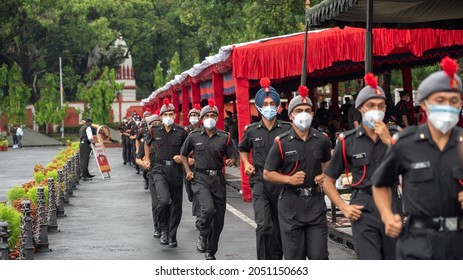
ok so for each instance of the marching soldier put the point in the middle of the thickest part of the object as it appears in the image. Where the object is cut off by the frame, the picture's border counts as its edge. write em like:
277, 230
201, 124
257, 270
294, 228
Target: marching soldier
167, 139
297, 160
360, 150
193, 116
258, 138
134, 133
428, 159
209, 146
124, 132
143, 133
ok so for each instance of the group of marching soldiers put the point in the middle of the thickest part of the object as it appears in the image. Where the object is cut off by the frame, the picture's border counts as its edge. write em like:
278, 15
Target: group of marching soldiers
291, 167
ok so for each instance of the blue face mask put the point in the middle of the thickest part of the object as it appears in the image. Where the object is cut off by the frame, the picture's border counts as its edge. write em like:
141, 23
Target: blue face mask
268, 112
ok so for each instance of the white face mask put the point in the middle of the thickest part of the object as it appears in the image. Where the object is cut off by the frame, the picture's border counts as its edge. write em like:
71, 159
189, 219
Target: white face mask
209, 123
443, 117
302, 121
371, 117
137, 122
168, 121
194, 120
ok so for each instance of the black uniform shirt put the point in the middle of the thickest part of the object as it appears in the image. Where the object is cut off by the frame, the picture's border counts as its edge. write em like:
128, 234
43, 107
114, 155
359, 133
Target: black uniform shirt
290, 154
209, 152
430, 178
360, 151
166, 144
134, 130
258, 138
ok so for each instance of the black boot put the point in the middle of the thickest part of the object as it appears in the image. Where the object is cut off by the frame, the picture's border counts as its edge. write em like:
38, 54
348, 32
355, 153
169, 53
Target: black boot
164, 239
209, 256
157, 233
172, 243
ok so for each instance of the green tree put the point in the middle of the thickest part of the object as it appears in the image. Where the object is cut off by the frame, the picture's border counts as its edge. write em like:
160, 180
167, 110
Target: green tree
158, 76
99, 93
174, 67
48, 109
15, 94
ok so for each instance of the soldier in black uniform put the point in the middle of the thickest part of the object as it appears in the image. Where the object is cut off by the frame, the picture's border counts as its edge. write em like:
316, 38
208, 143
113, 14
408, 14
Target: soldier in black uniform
428, 159
134, 132
86, 139
167, 139
209, 146
259, 137
193, 116
124, 138
146, 160
360, 151
296, 160
143, 133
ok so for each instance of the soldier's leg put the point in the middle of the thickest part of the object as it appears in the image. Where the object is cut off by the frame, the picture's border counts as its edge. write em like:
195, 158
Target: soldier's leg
219, 195
276, 251
292, 232
263, 218
366, 231
154, 201
164, 201
176, 193
202, 192
317, 239
125, 149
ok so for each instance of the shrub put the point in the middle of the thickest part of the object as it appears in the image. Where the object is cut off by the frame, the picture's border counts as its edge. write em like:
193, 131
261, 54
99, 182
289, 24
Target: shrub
16, 193
39, 177
32, 194
13, 218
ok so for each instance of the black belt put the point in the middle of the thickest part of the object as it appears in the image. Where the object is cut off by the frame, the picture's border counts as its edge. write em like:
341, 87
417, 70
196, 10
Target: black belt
437, 224
305, 192
166, 162
364, 190
209, 172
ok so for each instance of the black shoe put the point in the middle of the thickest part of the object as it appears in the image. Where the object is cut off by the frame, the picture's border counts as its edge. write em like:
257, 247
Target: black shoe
164, 240
124, 163
209, 256
172, 243
90, 176
146, 185
201, 246
157, 233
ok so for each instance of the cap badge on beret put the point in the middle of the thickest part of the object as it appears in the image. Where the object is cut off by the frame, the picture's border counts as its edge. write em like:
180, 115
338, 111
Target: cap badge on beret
303, 93
450, 67
372, 81
265, 83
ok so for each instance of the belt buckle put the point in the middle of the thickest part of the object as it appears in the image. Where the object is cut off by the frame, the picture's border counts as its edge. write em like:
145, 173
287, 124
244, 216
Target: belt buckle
168, 162
305, 192
212, 172
451, 224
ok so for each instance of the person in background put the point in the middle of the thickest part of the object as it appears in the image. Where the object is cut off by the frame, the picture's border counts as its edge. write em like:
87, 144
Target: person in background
86, 140
13, 134
402, 113
19, 136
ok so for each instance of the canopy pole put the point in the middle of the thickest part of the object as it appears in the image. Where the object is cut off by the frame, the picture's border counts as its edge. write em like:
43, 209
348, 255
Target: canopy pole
304, 56
369, 39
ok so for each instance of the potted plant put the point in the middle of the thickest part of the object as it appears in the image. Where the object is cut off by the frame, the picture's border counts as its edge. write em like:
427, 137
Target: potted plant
3, 142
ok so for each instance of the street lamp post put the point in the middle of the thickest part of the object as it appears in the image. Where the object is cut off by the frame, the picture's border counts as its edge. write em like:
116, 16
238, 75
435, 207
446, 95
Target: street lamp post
61, 94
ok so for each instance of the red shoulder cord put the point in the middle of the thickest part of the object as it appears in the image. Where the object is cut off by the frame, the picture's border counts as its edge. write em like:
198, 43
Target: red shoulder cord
283, 157
461, 182
344, 156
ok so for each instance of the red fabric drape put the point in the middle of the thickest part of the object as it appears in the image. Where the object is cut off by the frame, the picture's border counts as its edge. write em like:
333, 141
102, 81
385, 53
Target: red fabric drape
195, 93
242, 100
408, 87
217, 84
175, 103
282, 57
185, 106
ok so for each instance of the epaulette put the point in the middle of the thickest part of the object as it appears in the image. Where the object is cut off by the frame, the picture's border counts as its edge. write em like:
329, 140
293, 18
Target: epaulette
344, 134
222, 132
250, 125
195, 130
286, 123
283, 135
180, 126
409, 130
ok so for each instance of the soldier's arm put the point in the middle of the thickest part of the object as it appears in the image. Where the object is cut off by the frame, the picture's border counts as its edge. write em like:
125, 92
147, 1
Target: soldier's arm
184, 152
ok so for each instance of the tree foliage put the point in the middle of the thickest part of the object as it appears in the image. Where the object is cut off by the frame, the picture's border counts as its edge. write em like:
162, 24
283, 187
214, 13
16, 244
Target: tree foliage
48, 109
158, 76
15, 94
99, 92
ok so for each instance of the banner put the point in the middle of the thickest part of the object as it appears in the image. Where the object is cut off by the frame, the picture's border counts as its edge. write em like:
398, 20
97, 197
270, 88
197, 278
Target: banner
101, 158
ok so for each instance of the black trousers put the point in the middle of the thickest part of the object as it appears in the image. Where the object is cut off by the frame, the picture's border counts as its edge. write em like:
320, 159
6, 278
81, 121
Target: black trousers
133, 153
303, 226
169, 191
125, 146
428, 244
212, 198
84, 151
195, 208
154, 198
370, 240
265, 205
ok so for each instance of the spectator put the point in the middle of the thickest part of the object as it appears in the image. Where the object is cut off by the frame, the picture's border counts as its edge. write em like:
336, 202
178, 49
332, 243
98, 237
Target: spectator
402, 113
15, 138
283, 115
323, 116
344, 111
19, 136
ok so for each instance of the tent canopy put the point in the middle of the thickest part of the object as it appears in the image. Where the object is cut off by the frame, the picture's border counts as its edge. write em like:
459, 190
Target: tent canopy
403, 14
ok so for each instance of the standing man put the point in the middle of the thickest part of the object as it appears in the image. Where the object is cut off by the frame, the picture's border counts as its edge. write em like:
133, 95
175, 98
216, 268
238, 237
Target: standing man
86, 139
344, 111
360, 151
297, 160
124, 132
193, 116
209, 146
167, 139
428, 159
258, 138
402, 114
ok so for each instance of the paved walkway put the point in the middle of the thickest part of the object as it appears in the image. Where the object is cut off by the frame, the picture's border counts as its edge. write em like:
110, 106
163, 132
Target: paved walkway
35, 139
